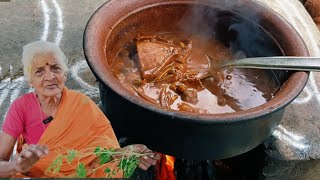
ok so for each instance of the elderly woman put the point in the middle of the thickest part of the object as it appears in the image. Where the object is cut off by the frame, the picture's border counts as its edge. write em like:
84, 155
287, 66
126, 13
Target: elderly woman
54, 119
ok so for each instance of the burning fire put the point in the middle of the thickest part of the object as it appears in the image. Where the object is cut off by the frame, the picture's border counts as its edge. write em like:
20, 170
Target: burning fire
165, 169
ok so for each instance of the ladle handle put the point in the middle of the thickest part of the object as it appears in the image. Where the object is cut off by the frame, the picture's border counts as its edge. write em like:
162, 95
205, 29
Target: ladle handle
279, 62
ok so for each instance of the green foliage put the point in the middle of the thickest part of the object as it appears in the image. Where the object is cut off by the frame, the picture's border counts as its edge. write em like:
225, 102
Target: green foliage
107, 170
97, 150
104, 154
110, 172
127, 163
55, 165
71, 155
81, 171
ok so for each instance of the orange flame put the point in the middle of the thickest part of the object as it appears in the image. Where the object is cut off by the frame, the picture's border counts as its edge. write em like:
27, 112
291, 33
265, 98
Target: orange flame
165, 169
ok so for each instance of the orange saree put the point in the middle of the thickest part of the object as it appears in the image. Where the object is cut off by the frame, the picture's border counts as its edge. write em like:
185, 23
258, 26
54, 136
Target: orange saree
78, 125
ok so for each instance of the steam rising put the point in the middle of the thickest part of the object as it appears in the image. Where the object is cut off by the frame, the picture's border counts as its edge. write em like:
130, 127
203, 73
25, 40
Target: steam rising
237, 27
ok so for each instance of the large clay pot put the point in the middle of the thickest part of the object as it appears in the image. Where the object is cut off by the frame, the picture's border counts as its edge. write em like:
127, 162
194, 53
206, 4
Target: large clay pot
260, 32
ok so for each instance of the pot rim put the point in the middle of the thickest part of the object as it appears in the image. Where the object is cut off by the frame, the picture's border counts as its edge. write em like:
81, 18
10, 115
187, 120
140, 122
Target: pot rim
289, 90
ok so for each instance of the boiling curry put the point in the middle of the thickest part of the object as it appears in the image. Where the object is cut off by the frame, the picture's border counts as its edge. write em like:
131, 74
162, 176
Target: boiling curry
178, 72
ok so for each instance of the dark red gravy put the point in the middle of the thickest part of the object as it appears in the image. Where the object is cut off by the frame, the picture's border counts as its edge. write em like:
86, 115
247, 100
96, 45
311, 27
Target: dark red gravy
177, 72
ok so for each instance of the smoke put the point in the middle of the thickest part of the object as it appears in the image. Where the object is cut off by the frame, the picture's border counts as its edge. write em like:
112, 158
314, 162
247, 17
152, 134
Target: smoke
232, 22
235, 23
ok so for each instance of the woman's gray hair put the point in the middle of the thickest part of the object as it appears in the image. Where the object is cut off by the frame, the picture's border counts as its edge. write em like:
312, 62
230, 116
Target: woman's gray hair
41, 47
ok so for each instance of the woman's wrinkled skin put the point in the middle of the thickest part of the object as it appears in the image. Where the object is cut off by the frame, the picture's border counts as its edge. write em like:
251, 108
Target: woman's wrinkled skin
48, 78
29, 156
147, 160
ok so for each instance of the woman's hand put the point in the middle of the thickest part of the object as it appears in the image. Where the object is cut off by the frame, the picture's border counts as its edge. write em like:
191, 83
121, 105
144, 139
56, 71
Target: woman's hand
29, 156
150, 158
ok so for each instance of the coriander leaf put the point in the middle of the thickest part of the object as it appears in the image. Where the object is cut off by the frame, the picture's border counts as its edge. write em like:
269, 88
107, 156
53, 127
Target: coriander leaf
107, 170
55, 165
71, 155
81, 171
105, 155
128, 165
97, 150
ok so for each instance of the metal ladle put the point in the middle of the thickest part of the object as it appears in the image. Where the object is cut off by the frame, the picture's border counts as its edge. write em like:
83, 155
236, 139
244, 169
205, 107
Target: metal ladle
278, 62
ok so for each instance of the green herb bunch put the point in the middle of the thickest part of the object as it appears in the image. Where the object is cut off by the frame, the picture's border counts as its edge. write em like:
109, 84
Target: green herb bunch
127, 161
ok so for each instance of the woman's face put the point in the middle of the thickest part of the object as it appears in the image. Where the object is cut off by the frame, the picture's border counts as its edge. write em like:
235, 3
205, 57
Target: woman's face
47, 76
